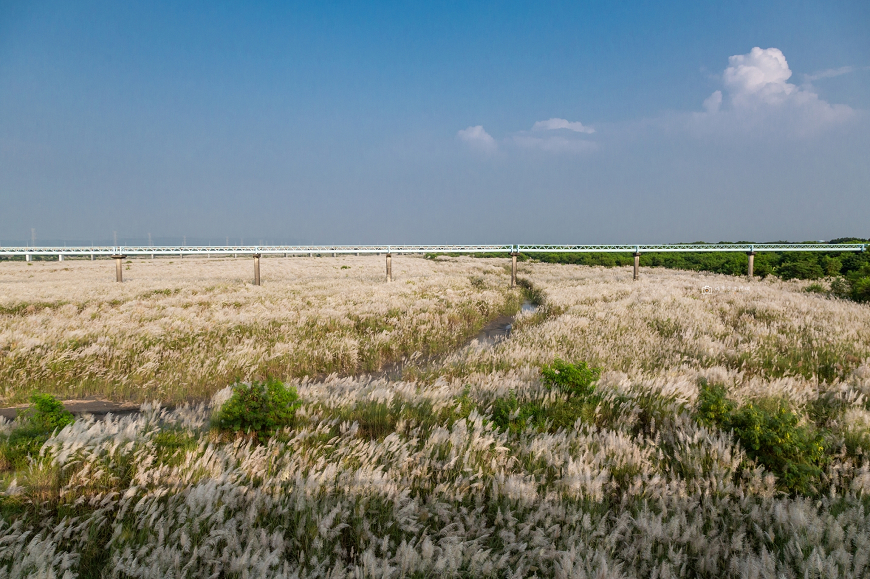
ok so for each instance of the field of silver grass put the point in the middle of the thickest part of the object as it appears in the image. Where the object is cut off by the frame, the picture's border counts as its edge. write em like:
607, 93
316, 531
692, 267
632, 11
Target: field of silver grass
759, 338
179, 330
385, 478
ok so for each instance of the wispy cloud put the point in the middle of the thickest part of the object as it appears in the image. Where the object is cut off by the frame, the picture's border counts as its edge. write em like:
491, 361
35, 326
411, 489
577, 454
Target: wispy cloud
477, 137
555, 124
829, 73
552, 136
556, 144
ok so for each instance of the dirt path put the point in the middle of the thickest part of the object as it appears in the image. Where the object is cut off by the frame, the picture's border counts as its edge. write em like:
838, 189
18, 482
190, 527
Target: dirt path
95, 406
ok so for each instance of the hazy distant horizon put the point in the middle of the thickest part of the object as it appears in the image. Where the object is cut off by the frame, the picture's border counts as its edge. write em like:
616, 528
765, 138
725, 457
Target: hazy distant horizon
214, 242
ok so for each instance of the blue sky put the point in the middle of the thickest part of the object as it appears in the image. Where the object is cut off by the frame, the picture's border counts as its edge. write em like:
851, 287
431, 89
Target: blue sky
434, 122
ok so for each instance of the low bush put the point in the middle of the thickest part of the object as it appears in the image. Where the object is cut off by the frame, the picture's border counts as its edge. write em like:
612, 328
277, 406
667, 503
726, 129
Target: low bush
714, 409
258, 408
770, 433
47, 413
841, 288
854, 286
574, 379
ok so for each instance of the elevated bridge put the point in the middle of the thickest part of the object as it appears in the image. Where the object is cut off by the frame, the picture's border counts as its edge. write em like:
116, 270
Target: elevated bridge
121, 252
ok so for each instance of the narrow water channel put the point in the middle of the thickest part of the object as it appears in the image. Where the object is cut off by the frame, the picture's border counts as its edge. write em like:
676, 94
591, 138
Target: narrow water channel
494, 331
500, 328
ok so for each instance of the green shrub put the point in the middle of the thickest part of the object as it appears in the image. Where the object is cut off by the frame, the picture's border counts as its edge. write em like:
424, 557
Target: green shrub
714, 409
861, 289
855, 286
573, 379
47, 413
801, 269
770, 433
259, 408
841, 288
815, 288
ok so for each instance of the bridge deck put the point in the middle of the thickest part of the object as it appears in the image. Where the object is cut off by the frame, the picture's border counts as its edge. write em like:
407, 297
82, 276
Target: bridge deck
399, 249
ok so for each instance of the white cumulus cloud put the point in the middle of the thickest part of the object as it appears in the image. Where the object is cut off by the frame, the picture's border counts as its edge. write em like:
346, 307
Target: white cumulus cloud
759, 77
477, 137
757, 91
554, 124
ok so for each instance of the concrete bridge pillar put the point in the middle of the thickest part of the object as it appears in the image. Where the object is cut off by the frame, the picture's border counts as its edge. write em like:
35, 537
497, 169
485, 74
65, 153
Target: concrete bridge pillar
636, 265
256, 269
60, 257
751, 268
93, 257
389, 267
27, 257
119, 267
514, 269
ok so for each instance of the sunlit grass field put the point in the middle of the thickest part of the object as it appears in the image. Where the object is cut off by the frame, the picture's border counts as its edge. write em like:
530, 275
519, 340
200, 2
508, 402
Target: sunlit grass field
179, 330
727, 434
